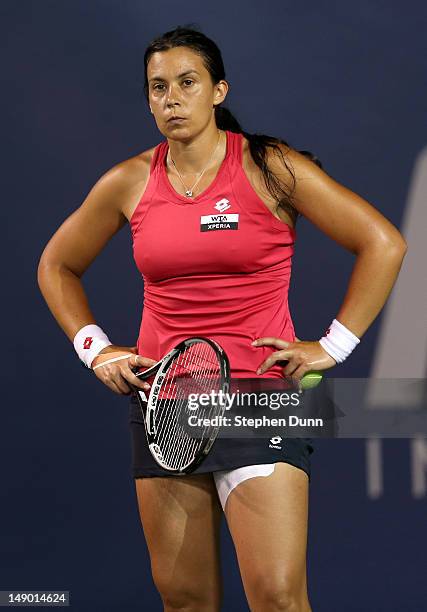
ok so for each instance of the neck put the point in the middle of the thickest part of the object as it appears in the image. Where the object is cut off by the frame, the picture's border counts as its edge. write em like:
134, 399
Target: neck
191, 156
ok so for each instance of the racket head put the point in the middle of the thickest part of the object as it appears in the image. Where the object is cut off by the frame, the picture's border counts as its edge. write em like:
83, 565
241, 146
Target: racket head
197, 365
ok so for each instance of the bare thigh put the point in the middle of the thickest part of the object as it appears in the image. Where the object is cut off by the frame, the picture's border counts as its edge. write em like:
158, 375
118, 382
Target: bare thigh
181, 520
267, 518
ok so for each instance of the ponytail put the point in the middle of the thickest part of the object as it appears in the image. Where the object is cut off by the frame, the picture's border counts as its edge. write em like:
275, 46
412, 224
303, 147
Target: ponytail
258, 144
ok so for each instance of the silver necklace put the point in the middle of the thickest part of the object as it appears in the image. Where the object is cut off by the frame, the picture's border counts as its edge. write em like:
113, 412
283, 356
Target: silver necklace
189, 192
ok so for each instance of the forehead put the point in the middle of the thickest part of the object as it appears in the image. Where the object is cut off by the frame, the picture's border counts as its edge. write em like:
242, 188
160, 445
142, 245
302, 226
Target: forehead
174, 61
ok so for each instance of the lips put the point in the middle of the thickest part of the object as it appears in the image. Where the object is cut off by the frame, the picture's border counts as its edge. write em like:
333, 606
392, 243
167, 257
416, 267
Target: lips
176, 119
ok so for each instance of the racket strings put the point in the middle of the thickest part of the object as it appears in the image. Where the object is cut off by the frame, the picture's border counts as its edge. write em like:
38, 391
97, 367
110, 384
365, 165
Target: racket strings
181, 445
168, 438
165, 424
172, 406
210, 385
171, 391
195, 370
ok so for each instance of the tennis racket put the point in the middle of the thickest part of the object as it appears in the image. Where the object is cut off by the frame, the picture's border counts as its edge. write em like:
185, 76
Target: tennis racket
195, 366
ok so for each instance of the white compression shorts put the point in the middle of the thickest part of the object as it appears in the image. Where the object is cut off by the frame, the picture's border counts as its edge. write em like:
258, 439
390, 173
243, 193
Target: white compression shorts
227, 480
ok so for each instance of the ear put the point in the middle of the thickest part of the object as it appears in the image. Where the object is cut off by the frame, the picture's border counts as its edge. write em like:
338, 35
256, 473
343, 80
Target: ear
221, 90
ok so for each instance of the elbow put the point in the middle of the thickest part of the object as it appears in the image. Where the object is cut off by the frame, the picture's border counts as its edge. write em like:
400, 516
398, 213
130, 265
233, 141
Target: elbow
45, 262
391, 245
46, 268
43, 270
50, 268
394, 251
398, 247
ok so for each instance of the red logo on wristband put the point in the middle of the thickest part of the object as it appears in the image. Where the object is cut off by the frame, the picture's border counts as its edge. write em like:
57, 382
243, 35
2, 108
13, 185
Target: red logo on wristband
328, 331
87, 343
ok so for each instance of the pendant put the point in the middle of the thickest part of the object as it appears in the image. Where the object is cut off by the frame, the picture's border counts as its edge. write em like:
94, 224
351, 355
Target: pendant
189, 193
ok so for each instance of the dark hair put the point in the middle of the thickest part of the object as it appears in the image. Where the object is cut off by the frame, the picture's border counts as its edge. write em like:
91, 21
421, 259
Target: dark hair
225, 120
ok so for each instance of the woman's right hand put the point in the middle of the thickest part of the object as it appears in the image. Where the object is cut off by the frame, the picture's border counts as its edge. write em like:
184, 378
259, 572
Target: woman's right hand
117, 374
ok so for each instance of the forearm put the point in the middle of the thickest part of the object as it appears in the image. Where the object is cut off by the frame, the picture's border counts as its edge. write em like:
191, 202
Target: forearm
374, 274
65, 297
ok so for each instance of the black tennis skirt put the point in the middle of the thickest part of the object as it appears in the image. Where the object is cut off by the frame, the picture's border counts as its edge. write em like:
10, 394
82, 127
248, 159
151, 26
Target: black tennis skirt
225, 454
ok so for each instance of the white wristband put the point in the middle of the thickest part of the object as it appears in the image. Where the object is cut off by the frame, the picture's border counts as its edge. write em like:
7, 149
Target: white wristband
339, 341
89, 342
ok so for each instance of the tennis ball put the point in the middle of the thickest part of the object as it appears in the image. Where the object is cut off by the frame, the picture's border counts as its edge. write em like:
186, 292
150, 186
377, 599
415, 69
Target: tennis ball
310, 380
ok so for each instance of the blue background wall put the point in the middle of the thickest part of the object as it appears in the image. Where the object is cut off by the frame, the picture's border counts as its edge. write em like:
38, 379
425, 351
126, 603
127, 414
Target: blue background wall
345, 80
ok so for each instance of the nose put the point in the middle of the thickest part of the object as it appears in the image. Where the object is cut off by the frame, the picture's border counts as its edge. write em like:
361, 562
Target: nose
172, 98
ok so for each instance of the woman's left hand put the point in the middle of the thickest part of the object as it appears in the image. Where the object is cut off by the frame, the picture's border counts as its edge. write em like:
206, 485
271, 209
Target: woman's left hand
302, 356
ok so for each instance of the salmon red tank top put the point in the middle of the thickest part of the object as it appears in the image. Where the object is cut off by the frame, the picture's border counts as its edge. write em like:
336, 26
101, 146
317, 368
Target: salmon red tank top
216, 265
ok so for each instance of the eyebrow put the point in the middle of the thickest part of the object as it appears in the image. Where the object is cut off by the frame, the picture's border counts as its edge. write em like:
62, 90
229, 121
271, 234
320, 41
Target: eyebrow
159, 78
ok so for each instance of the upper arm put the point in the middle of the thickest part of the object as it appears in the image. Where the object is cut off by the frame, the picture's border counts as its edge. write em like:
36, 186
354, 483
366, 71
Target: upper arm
337, 211
87, 230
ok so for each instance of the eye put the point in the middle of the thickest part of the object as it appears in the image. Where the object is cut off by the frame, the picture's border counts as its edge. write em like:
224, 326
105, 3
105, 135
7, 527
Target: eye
188, 82
158, 86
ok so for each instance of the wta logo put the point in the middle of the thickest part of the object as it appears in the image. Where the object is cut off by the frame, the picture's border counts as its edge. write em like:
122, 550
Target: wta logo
210, 223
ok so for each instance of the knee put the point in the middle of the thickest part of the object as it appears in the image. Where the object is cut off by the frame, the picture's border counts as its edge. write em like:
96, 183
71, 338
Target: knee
187, 595
278, 594
186, 600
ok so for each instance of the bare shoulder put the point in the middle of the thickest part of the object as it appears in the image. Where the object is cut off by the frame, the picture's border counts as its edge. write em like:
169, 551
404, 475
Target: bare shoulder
336, 210
128, 180
291, 166
105, 210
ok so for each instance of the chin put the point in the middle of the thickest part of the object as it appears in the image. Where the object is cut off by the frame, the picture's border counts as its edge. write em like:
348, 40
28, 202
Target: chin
178, 132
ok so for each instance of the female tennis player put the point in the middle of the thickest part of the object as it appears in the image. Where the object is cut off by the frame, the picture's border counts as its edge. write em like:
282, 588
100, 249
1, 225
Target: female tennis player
212, 211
